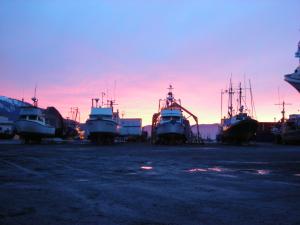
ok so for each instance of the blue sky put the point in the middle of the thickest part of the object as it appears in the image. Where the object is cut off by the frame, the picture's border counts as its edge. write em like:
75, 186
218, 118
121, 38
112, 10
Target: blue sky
79, 48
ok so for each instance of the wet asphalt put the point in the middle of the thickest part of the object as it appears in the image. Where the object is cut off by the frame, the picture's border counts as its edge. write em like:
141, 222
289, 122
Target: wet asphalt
140, 184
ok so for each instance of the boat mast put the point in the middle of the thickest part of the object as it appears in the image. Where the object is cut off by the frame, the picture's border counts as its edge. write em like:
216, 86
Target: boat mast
170, 98
34, 99
283, 110
230, 93
102, 97
253, 110
221, 103
240, 98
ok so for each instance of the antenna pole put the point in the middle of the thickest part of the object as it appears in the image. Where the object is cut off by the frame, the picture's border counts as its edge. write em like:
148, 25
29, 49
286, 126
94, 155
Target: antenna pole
245, 92
34, 99
283, 111
230, 109
115, 84
253, 111
102, 96
240, 98
221, 104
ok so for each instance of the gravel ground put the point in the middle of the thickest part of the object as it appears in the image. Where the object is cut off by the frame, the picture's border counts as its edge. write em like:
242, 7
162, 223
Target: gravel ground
140, 184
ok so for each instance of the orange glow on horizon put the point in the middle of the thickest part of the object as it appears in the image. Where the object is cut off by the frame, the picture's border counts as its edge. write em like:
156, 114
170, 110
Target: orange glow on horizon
140, 99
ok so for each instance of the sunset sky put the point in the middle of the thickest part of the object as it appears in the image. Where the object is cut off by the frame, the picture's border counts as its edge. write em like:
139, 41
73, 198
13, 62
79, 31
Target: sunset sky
74, 50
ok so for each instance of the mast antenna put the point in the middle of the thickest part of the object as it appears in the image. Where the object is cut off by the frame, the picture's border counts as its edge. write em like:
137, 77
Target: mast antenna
253, 110
283, 104
115, 85
34, 99
230, 103
102, 98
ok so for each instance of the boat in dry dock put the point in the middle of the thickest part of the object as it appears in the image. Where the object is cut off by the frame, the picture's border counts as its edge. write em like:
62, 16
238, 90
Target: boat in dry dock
287, 131
294, 78
169, 125
32, 125
103, 123
290, 131
238, 126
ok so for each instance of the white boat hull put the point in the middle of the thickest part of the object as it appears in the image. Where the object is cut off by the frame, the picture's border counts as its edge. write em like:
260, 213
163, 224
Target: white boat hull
295, 82
34, 129
102, 127
170, 128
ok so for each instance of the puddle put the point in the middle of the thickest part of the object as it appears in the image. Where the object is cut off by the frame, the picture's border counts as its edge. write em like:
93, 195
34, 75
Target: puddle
216, 169
297, 174
263, 172
211, 169
146, 167
82, 180
194, 170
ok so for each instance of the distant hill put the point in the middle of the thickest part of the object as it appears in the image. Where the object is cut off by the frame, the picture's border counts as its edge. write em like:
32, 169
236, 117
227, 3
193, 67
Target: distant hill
207, 131
10, 107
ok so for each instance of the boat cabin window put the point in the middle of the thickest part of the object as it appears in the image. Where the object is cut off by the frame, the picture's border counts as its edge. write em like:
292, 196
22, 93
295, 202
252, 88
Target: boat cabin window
99, 117
165, 118
23, 117
40, 119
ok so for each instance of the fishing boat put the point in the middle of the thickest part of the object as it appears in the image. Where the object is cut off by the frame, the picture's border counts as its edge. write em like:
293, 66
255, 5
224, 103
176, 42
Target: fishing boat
7, 129
32, 124
287, 130
290, 132
294, 78
238, 126
169, 125
103, 123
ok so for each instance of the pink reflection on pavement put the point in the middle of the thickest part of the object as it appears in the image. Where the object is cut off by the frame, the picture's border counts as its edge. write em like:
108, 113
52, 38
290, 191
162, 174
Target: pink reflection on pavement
146, 167
215, 169
263, 172
194, 170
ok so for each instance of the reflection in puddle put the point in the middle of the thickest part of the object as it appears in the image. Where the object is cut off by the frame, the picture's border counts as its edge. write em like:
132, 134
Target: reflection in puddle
146, 167
263, 172
215, 169
212, 169
82, 180
197, 170
297, 174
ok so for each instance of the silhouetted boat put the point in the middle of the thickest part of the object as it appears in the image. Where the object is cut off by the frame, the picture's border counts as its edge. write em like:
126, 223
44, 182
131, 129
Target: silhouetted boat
294, 78
169, 125
291, 129
239, 127
287, 131
103, 123
32, 125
